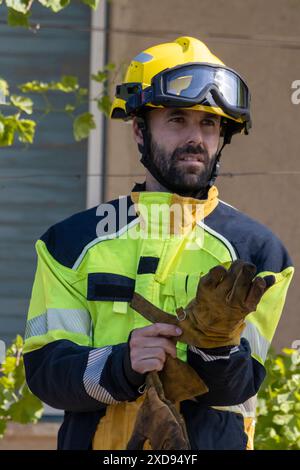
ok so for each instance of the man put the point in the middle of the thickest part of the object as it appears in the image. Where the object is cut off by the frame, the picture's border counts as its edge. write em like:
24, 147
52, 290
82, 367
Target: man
87, 350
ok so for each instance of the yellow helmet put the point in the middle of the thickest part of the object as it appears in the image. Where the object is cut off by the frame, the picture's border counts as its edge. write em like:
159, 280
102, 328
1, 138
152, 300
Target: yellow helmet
183, 73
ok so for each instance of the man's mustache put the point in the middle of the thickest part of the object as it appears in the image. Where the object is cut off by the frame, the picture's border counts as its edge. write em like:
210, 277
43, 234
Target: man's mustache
188, 149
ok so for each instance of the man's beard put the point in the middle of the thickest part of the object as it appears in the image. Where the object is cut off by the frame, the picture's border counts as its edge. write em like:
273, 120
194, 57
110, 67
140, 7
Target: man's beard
184, 182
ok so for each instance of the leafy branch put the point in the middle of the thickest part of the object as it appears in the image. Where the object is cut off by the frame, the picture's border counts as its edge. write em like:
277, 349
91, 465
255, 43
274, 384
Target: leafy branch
19, 11
17, 403
14, 106
278, 411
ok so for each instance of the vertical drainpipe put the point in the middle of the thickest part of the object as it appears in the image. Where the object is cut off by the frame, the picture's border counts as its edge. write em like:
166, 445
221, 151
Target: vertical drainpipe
97, 138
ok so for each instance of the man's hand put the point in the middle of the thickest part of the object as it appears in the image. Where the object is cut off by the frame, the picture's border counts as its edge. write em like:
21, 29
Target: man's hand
216, 316
149, 346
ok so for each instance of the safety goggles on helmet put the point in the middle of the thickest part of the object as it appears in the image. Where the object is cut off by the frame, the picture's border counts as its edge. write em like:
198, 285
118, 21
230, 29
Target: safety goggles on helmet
188, 85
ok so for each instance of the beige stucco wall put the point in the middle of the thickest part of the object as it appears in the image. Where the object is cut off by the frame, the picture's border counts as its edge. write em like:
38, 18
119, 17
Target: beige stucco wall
261, 40
40, 436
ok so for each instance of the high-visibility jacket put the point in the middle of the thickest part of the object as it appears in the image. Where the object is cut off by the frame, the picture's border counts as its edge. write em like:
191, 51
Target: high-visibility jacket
76, 349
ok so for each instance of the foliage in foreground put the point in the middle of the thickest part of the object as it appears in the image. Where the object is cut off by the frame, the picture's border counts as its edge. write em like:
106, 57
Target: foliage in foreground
278, 411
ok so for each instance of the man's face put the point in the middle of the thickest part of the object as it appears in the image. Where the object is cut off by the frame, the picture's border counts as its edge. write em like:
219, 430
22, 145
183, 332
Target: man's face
183, 146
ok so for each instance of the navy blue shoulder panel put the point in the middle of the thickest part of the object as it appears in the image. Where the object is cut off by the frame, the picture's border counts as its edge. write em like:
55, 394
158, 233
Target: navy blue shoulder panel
252, 241
66, 240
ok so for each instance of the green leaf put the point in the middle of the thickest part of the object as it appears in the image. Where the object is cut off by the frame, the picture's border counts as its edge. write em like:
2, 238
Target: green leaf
7, 382
15, 18
34, 87
69, 108
110, 66
278, 410
19, 376
82, 126
291, 433
19, 342
20, 6
100, 76
26, 130
9, 365
7, 135
17, 403
23, 103
295, 358
288, 351
27, 410
103, 75
2, 427
67, 84
282, 397
55, 5
91, 3
104, 105
83, 91
262, 408
286, 407
4, 90
279, 363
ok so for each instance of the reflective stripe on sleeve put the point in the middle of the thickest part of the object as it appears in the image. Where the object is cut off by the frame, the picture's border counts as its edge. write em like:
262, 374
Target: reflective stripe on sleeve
71, 320
258, 344
92, 376
211, 357
246, 409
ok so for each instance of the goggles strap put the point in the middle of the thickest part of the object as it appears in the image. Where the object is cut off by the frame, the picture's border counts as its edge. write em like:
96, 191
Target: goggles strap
216, 169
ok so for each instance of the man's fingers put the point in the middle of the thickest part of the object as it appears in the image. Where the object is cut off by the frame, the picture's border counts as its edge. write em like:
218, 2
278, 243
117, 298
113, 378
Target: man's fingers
149, 365
161, 329
150, 345
153, 353
166, 344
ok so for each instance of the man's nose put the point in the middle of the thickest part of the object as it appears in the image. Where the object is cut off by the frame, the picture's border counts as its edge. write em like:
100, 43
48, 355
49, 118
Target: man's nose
195, 135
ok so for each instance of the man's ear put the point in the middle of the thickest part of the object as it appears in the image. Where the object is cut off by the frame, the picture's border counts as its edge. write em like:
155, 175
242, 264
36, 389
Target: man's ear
137, 133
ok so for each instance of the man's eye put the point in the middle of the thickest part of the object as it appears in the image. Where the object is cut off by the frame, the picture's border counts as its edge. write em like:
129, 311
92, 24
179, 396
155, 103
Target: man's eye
177, 119
209, 122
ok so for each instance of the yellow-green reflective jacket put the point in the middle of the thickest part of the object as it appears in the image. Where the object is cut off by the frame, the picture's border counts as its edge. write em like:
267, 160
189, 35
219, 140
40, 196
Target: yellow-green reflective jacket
159, 245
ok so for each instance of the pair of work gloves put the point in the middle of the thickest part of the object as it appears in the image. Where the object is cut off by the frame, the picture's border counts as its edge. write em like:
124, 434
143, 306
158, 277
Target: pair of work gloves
214, 318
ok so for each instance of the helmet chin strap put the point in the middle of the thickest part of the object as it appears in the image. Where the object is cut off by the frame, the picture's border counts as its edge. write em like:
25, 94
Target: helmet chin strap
156, 173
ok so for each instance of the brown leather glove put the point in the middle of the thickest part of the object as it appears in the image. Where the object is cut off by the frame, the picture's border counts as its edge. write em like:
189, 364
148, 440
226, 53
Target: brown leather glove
158, 421
180, 381
216, 317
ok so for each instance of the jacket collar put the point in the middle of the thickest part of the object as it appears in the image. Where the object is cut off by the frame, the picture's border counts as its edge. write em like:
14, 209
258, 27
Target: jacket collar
187, 210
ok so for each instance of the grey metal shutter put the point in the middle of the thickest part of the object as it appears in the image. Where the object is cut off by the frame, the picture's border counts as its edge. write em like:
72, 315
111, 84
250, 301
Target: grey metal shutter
45, 182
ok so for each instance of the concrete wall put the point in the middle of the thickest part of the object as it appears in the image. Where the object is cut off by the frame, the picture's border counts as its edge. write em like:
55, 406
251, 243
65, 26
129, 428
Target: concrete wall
261, 40
40, 436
